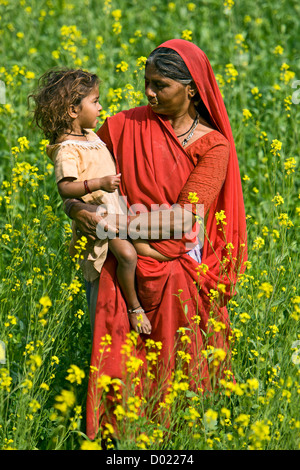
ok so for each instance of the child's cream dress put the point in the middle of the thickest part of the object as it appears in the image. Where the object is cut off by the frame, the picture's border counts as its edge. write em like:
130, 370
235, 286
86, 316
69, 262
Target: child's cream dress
84, 160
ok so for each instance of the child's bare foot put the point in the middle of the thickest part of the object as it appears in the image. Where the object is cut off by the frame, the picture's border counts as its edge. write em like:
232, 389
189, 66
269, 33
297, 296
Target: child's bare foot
139, 321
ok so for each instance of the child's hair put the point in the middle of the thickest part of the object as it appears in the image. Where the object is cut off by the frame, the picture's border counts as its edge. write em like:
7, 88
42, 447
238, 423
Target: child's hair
57, 91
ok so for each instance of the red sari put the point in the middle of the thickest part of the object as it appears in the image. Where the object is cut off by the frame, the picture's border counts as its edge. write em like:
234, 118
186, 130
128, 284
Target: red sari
155, 169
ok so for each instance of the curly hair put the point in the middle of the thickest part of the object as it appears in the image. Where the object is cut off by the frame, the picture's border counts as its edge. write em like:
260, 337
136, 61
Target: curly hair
57, 91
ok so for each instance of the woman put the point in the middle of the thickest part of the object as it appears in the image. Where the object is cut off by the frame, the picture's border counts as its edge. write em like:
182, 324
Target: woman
179, 145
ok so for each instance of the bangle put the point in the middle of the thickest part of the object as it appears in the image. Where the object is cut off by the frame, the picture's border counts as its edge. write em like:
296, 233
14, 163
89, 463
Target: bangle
86, 187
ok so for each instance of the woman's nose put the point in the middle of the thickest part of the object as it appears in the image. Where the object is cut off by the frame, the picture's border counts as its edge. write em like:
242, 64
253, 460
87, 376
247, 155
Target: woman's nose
149, 92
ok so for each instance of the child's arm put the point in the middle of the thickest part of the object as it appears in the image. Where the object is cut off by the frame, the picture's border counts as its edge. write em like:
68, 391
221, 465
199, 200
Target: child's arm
67, 187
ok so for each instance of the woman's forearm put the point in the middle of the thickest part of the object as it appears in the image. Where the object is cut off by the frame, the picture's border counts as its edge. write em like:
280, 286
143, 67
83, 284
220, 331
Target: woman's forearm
161, 224
72, 206
154, 225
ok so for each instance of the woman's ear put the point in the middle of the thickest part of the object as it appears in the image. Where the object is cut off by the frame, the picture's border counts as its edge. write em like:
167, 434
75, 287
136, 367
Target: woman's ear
192, 90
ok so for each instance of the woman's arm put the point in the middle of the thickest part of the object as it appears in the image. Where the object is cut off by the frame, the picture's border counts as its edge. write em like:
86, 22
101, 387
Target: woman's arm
207, 178
87, 217
154, 225
161, 224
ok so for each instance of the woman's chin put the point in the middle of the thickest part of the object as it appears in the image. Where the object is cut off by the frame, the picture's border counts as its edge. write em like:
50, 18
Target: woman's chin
156, 108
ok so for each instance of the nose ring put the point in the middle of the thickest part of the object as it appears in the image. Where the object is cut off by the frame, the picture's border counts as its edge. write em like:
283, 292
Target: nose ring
153, 102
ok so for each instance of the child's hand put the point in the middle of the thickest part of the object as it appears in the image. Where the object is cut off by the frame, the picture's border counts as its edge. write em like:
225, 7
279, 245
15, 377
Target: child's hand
110, 183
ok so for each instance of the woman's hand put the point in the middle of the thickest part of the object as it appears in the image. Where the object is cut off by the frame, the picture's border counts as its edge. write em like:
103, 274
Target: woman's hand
88, 217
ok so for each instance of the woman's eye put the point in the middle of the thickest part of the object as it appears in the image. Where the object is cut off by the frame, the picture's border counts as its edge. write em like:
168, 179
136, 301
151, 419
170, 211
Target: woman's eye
160, 85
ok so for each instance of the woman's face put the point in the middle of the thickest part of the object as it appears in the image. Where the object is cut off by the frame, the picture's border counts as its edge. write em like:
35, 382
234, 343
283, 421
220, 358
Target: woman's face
165, 95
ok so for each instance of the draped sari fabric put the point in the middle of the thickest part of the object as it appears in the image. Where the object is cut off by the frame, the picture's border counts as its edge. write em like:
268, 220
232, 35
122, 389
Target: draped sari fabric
154, 168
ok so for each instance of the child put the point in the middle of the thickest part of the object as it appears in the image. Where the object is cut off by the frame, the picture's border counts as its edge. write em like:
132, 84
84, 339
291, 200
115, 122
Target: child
67, 108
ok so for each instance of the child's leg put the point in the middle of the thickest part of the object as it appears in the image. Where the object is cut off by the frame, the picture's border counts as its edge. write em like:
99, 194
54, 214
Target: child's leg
126, 257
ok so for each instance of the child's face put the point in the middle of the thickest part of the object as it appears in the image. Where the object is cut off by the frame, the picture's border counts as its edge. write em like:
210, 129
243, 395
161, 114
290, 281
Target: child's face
89, 110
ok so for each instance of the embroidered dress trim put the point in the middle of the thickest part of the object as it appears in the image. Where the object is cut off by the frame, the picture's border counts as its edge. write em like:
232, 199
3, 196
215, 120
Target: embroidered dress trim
92, 144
